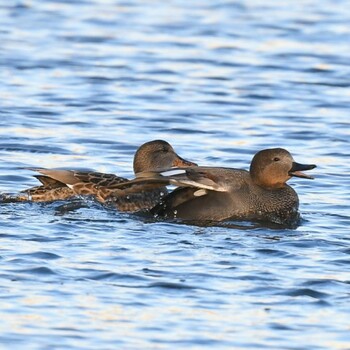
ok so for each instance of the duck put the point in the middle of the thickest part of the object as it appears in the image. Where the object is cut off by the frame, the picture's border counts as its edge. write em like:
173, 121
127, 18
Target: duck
215, 194
64, 184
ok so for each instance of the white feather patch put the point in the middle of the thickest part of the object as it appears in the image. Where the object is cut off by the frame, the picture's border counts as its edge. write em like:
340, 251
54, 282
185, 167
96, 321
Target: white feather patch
70, 186
198, 184
200, 193
173, 172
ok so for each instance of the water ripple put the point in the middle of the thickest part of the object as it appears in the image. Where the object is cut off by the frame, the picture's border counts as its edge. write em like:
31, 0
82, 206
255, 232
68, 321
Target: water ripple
84, 83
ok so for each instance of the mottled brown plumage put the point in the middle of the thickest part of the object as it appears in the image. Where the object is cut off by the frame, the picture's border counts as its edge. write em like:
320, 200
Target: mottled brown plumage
65, 184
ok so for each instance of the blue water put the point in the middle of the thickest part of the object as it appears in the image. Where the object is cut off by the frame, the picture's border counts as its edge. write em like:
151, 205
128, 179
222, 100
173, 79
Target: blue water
84, 83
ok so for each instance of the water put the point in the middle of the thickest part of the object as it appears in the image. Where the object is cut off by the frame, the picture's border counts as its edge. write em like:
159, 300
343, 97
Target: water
84, 83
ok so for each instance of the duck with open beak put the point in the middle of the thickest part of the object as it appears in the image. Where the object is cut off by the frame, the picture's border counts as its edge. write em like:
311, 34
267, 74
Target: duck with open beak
297, 169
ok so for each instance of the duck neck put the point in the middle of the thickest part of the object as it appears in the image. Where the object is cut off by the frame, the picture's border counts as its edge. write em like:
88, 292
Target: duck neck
269, 185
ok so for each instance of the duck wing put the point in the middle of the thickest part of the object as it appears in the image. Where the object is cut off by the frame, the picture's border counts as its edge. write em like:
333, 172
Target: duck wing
81, 182
49, 183
100, 179
208, 178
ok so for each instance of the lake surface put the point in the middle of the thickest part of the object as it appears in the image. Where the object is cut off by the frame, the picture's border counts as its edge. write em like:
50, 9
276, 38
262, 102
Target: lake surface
84, 83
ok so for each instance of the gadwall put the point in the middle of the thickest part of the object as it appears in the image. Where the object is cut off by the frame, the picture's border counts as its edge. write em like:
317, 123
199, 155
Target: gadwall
64, 184
217, 194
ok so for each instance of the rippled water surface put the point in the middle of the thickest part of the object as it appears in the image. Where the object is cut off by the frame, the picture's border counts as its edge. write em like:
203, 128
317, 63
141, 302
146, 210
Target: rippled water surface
84, 83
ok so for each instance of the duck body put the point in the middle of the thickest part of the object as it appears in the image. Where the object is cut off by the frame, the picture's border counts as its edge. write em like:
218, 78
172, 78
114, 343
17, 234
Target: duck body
244, 200
217, 194
65, 184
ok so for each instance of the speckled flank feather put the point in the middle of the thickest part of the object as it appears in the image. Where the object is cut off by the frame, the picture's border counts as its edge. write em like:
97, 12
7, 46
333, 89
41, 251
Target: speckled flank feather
137, 201
44, 194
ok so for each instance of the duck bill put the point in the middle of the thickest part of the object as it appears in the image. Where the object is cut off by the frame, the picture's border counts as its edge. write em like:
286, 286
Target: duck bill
297, 170
180, 162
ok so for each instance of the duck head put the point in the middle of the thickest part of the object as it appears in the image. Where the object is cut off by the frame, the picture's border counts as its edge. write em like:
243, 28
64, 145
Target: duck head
272, 168
158, 155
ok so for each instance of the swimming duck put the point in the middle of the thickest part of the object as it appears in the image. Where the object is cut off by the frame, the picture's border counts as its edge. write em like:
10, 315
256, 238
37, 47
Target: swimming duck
64, 184
217, 194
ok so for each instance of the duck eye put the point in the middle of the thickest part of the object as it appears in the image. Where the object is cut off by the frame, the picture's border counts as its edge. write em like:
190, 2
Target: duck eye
276, 159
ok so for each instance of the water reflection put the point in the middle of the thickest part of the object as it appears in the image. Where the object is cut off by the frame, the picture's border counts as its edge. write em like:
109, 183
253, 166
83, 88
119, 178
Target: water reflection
85, 83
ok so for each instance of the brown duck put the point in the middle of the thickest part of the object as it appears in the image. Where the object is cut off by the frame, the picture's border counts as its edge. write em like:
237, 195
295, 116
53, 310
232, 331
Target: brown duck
217, 194
64, 184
